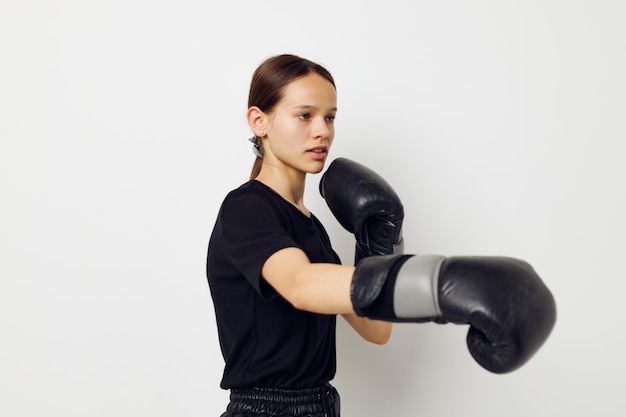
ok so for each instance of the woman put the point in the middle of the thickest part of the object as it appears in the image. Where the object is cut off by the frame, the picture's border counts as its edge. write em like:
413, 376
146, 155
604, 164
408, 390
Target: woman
276, 282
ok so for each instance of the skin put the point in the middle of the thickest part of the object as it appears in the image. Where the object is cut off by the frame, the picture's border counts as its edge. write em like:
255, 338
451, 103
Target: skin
297, 136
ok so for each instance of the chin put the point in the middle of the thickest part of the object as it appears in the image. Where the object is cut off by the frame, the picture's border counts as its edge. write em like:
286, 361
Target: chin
317, 168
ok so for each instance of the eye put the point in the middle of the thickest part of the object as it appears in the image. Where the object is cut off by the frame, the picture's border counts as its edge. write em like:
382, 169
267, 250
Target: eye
330, 118
304, 116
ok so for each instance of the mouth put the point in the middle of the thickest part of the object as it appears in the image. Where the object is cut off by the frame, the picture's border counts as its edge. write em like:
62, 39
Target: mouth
319, 152
319, 149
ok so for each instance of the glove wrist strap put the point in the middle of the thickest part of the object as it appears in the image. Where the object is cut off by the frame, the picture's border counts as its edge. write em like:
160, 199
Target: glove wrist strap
416, 288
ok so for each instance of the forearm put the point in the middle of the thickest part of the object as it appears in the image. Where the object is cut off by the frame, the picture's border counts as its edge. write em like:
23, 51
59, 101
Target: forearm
316, 287
323, 288
374, 331
320, 288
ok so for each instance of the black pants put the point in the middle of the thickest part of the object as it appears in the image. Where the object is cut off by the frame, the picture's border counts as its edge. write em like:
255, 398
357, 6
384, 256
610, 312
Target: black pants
270, 402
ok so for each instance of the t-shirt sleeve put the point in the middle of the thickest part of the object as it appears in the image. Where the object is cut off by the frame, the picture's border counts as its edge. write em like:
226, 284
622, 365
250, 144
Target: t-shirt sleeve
251, 232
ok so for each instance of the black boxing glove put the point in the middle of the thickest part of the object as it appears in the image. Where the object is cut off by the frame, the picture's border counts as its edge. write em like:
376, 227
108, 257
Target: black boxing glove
510, 310
365, 205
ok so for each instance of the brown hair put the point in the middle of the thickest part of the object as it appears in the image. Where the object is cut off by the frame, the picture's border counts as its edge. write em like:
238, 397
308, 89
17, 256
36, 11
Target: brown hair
269, 82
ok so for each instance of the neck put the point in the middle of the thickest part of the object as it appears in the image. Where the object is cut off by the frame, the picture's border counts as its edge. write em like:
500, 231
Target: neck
289, 186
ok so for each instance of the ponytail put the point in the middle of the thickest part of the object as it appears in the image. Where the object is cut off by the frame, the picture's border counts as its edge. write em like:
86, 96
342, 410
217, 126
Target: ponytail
256, 167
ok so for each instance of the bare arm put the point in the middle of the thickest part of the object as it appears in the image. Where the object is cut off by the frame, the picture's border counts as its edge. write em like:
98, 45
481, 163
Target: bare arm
316, 287
320, 288
375, 331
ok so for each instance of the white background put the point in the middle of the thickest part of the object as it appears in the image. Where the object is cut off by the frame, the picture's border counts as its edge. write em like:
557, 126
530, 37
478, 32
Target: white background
500, 123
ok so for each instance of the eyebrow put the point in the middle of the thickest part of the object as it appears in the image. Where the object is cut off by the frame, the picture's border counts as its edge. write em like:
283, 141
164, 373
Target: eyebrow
308, 106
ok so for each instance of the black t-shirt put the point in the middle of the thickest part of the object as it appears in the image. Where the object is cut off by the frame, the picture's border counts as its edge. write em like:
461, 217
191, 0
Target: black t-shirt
265, 341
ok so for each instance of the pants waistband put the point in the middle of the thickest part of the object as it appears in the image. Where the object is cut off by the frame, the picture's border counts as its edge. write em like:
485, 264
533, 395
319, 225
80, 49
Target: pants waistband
322, 401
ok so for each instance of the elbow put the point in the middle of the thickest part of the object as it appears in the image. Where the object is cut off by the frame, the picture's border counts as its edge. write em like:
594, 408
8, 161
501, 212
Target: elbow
381, 335
381, 340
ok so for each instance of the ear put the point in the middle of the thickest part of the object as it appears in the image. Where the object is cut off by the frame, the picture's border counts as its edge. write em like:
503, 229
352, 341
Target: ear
256, 121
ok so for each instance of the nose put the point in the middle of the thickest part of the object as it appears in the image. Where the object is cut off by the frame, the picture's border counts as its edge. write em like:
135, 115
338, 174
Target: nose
323, 129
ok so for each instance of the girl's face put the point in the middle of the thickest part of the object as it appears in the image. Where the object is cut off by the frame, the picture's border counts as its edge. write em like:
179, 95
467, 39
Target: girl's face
301, 128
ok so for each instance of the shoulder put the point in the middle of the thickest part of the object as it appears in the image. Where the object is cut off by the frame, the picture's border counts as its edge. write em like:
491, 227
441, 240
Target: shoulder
252, 199
251, 192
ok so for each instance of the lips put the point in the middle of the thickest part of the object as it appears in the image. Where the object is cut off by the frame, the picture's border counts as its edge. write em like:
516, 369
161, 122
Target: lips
318, 152
320, 149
